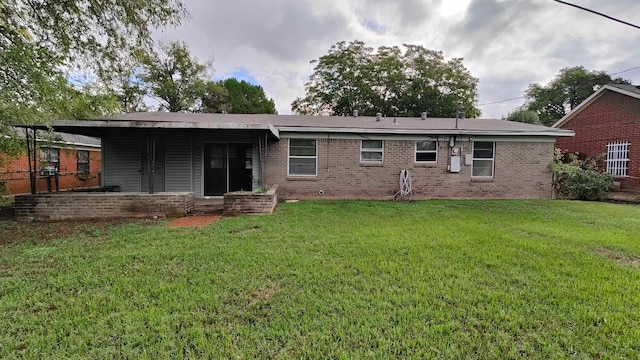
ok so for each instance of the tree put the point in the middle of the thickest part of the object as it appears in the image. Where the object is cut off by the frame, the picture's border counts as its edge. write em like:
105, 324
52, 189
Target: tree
524, 115
41, 42
129, 90
567, 90
236, 97
245, 98
215, 98
174, 77
391, 80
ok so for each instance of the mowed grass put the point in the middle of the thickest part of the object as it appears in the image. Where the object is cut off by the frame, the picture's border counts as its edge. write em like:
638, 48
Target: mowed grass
335, 279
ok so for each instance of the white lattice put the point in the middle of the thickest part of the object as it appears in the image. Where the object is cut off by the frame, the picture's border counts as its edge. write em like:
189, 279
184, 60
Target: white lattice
618, 158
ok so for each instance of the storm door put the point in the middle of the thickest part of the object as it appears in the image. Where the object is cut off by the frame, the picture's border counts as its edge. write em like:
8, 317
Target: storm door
227, 167
215, 169
240, 167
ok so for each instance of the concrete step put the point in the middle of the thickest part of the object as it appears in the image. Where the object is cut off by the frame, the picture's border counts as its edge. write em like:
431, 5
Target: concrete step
208, 207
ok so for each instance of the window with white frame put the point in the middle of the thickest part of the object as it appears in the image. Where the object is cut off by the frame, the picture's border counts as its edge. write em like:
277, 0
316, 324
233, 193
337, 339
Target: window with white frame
50, 157
483, 159
83, 161
618, 158
426, 151
303, 157
372, 151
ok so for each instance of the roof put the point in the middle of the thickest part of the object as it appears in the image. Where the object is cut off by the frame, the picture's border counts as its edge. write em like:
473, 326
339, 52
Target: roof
624, 89
306, 123
61, 138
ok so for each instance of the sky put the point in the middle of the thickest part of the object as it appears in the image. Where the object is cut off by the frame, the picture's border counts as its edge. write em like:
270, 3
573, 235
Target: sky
506, 44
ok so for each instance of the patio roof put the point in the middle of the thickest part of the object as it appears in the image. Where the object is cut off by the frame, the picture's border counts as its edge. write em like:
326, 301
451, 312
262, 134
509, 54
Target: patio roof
275, 124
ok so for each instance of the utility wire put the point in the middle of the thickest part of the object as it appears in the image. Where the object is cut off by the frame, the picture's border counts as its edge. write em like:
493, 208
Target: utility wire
501, 101
598, 13
522, 97
624, 71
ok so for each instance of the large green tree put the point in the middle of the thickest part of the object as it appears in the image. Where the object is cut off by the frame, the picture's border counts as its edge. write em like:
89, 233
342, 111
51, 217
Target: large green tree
570, 87
245, 98
236, 97
392, 80
42, 42
175, 77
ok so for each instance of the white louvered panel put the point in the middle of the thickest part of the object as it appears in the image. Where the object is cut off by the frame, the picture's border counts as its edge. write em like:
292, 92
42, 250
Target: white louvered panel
618, 158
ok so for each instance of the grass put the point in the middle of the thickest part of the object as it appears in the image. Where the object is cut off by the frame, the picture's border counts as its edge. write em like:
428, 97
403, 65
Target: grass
348, 279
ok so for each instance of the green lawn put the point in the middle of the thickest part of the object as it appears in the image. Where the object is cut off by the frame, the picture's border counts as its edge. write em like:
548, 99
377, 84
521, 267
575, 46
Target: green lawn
353, 279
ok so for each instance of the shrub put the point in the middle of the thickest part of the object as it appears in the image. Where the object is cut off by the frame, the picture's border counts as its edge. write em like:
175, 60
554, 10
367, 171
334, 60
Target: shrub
580, 179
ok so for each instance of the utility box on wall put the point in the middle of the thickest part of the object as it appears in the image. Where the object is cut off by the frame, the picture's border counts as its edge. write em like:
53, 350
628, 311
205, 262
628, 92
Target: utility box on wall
468, 159
455, 164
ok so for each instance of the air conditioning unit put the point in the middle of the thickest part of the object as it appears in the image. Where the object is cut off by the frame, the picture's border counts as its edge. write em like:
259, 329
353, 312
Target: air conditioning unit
49, 171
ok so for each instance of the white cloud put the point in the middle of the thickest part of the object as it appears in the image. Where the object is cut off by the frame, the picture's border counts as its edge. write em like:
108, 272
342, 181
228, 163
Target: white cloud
506, 44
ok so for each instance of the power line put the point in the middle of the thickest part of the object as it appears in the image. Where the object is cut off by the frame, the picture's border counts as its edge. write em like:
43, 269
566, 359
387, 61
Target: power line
598, 13
501, 101
624, 71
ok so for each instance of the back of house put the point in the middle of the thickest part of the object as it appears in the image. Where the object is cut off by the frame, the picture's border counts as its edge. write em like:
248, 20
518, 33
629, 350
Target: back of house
353, 157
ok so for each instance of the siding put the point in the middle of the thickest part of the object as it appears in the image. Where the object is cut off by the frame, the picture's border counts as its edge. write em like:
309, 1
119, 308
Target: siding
178, 172
121, 160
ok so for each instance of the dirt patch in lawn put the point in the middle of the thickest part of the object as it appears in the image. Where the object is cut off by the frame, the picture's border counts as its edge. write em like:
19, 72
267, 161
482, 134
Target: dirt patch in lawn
244, 231
619, 257
191, 221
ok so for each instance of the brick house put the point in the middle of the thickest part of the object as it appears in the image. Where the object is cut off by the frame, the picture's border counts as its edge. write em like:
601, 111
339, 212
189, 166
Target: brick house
76, 157
322, 156
608, 123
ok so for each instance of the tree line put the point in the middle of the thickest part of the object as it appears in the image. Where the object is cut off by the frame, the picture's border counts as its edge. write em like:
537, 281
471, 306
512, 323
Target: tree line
43, 42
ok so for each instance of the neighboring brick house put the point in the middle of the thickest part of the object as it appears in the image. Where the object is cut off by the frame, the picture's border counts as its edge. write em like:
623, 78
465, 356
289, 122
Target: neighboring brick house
322, 156
76, 157
608, 123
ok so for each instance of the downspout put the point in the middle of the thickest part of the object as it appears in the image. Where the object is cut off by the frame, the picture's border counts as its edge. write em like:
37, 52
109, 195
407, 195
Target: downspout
266, 155
260, 163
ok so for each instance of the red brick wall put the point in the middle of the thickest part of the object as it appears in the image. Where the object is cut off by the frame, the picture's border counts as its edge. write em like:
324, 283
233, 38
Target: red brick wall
14, 172
522, 171
611, 117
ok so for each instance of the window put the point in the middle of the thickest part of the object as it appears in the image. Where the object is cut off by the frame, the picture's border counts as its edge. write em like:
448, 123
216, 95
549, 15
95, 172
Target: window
83, 162
618, 158
426, 151
371, 150
483, 152
50, 157
303, 157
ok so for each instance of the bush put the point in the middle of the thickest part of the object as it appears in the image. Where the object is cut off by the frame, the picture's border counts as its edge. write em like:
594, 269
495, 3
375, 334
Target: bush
580, 179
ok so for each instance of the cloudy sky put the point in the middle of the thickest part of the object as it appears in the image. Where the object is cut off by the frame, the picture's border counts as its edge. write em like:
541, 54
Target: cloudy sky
507, 44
